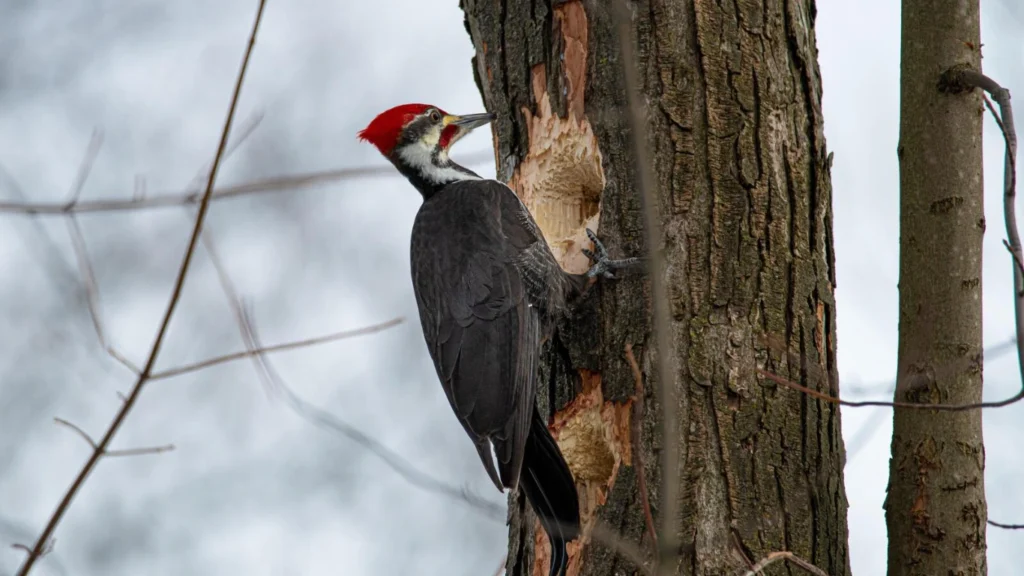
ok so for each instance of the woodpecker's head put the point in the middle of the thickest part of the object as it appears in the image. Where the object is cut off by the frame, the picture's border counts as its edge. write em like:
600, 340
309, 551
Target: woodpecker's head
416, 138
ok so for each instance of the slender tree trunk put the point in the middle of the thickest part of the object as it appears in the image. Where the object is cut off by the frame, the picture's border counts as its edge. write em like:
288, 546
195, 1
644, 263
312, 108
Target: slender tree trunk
935, 509
735, 130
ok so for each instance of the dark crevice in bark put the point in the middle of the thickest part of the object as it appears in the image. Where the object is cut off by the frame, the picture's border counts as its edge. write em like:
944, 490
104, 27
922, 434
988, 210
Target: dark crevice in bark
811, 98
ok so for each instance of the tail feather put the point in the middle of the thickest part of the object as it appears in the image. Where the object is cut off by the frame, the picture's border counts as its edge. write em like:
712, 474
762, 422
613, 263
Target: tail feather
551, 490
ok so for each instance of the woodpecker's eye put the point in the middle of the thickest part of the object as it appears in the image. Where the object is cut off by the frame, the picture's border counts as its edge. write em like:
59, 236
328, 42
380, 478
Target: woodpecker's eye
435, 116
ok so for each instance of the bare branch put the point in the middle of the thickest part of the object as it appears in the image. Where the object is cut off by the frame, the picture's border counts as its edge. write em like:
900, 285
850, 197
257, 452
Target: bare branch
177, 198
780, 556
172, 372
861, 404
638, 414
119, 419
1006, 526
664, 359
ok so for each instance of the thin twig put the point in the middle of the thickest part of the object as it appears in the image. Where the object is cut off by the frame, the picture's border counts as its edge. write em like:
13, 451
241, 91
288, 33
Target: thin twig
90, 464
126, 452
116, 453
91, 151
860, 404
1016, 258
989, 354
177, 198
178, 371
638, 414
870, 427
779, 557
88, 439
1006, 526
244, 130
92, 293
664, 359
140, 451
27, 550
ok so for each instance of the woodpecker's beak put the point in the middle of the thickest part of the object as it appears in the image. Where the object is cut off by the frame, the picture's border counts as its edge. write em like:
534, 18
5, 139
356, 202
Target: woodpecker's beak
469, 121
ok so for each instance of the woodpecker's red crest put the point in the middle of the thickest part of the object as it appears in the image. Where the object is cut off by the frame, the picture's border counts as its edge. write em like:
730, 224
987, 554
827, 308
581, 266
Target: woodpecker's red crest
385, 130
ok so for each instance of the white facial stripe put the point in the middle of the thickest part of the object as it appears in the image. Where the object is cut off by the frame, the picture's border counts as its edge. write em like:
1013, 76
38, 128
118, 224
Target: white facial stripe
431, 138
419, 157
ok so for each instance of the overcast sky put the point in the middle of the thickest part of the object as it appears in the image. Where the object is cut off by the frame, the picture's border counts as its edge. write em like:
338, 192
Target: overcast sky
252, 488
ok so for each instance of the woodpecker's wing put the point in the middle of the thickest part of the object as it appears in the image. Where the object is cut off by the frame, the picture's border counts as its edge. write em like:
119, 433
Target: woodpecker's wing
480, 327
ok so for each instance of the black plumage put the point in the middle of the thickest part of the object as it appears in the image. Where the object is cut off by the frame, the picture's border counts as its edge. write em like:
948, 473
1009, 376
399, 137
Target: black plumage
489, 291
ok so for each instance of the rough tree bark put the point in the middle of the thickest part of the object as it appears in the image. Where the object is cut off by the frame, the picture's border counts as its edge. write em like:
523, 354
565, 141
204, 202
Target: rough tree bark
735, 130
935, 508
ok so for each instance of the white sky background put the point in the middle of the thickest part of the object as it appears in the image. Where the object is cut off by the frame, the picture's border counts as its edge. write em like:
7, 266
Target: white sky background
252, 488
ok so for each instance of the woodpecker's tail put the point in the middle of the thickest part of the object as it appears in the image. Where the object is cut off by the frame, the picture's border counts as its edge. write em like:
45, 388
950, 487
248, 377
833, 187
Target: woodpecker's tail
550, 488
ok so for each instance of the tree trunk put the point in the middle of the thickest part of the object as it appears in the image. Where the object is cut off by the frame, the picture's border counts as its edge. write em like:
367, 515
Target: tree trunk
735, 133
935, 508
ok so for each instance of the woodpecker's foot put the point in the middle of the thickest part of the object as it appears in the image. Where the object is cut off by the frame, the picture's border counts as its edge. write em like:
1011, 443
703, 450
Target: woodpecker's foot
603, 265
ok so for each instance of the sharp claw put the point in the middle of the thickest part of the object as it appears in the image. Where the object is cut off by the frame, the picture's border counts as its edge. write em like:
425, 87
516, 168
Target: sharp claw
598, 245
603, 265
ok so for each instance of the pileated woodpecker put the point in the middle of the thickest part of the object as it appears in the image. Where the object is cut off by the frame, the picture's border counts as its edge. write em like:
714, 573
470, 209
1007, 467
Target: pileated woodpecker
489, 292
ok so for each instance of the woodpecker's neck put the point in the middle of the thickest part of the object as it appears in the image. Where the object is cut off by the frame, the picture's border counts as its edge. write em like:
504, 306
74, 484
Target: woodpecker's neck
429, 170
